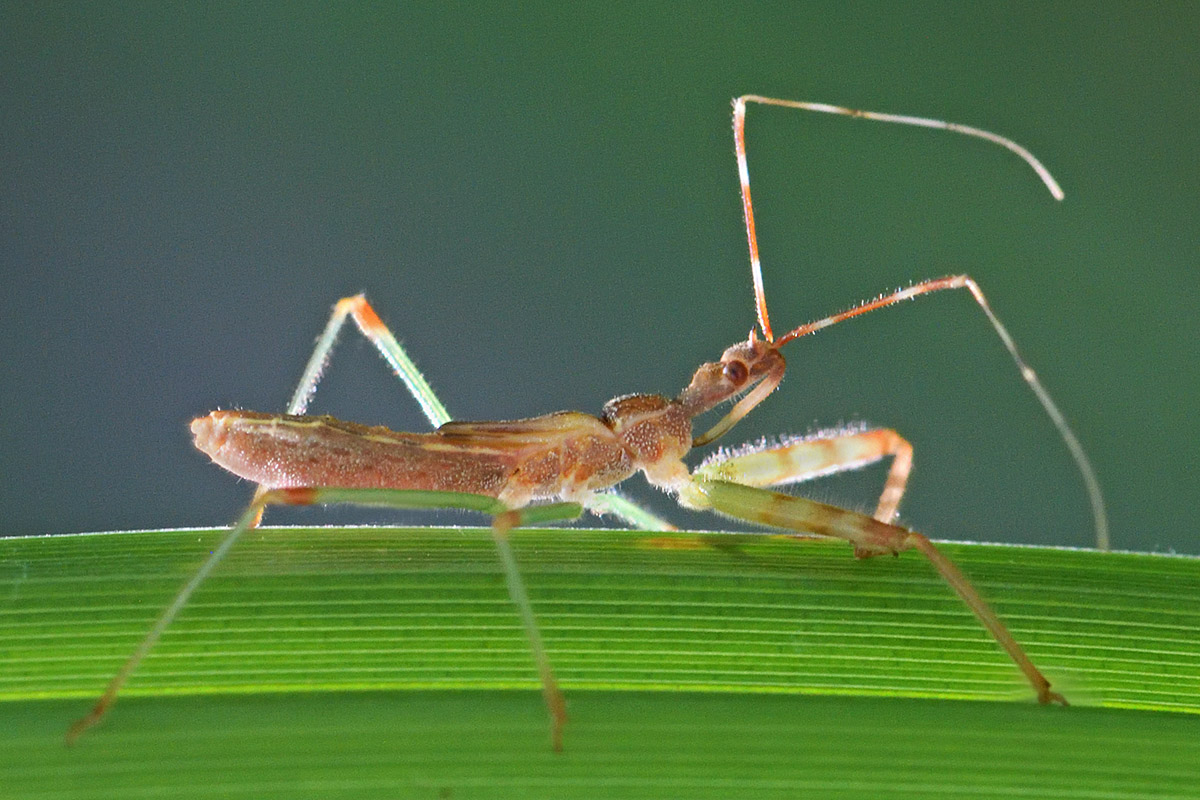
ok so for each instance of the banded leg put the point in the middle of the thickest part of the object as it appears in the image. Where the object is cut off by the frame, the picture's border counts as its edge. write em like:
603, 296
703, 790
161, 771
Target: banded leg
504, 520
378, 334
869, 537
804, 459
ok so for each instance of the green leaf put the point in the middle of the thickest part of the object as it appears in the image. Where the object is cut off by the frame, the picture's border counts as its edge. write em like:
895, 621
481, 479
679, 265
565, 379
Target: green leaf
368, 662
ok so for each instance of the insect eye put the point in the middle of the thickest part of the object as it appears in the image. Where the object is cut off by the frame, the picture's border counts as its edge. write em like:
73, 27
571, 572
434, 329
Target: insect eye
735, 372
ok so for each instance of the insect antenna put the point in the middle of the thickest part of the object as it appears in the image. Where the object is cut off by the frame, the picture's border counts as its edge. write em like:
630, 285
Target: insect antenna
739, 137
1091, 483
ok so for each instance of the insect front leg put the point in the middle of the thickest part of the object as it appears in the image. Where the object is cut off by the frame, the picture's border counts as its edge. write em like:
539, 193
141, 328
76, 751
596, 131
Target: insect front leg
504, 520
802, 459
868, 535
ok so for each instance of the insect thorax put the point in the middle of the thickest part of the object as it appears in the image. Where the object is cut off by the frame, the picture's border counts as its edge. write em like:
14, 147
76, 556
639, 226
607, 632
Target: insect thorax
657, 431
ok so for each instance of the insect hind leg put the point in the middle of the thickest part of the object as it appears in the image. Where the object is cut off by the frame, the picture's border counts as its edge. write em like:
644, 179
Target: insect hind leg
504, 520
378, 334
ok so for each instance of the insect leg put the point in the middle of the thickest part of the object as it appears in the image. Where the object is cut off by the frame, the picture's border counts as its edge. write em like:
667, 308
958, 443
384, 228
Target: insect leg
808, 458
621, 507
505, 520
869, 537
555, 703
378, 334
247, 520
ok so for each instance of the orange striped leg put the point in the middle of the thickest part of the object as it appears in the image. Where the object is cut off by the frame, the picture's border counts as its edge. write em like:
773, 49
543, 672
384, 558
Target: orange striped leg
805, 459
868, 535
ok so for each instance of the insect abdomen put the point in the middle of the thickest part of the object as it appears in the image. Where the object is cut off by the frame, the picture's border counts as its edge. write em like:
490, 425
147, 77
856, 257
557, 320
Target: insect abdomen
285, 451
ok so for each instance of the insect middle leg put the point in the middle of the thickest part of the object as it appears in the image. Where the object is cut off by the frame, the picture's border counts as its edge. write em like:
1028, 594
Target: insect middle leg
503, 521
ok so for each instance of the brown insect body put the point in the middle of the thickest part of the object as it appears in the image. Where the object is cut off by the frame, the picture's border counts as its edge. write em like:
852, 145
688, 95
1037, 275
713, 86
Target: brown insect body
566, 455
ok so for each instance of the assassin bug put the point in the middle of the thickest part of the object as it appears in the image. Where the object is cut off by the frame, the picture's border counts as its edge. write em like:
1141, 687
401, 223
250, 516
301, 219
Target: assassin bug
555, 466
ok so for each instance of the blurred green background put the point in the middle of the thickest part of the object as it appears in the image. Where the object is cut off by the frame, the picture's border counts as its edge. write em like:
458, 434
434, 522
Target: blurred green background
542, 202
